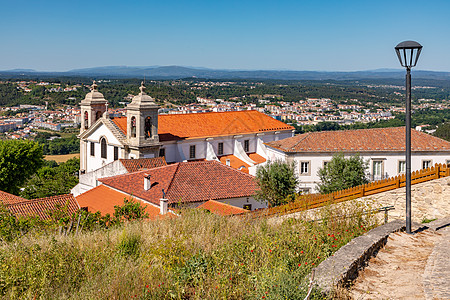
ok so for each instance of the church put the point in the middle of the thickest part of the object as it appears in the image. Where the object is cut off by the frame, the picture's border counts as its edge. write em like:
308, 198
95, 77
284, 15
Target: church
235, 138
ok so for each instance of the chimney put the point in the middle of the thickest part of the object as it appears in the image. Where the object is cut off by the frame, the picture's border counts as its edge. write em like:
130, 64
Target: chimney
147, 182
163, 206
228, 162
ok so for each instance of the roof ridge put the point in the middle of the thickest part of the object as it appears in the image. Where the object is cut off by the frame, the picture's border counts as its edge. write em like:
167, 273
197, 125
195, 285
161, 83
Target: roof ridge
173, 178
54, 197
306, 135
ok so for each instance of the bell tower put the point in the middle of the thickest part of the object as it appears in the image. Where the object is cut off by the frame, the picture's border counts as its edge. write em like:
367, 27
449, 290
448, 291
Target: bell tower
92, 107
142, 125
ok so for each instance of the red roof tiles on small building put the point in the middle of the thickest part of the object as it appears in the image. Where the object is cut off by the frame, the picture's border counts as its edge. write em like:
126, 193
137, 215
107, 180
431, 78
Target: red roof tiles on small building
235, 163
7, 198
186, 182
103, 199
134, 165
222, 209
185, 126
361, 140
44, 207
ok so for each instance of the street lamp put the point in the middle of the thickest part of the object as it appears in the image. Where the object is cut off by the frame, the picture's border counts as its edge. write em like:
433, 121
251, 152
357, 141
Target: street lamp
408, 53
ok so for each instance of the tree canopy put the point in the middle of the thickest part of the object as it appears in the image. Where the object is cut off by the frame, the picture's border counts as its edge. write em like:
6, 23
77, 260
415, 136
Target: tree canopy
18, 161
342, 173
276, 181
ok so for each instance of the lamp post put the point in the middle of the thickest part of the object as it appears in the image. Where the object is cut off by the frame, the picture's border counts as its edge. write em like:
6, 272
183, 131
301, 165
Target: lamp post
408, 53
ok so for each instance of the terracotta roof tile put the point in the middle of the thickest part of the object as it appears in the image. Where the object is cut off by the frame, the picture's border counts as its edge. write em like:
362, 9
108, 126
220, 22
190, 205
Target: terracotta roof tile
103, 199
133, 165
44, 206
222, 209
184, 126
7, 198
256, 158
361, 140
235, 163
186, 182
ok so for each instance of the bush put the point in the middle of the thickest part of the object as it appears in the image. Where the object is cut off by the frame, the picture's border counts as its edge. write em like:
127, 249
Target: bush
276, 181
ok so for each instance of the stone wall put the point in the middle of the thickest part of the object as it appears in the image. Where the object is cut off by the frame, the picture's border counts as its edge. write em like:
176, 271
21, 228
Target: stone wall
429, 200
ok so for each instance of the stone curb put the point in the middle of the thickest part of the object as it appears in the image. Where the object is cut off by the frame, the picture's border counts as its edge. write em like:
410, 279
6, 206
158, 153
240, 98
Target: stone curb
343, 267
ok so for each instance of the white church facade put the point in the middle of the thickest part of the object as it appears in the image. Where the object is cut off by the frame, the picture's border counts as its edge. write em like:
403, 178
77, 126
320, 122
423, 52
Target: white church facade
235, 138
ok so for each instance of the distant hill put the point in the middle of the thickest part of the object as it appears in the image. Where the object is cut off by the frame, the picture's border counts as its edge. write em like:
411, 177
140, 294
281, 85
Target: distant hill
178, 72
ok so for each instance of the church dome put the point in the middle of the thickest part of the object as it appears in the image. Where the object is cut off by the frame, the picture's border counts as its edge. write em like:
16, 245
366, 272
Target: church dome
94, 96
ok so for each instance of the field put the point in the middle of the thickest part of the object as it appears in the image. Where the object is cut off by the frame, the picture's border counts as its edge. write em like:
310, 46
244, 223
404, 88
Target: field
61, 158
195, 256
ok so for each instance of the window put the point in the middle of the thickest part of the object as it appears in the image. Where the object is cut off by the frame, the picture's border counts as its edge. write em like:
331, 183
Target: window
98, 115
304, 168
103, 148
220, 149
148, 127
133, 126
426, 164
401, 166
246, 145
92, 149
192, 152
116, 153
162, 152
247, 206
377, 169
86, 120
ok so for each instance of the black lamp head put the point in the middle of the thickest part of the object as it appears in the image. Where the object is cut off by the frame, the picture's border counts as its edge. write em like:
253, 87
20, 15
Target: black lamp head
408, 53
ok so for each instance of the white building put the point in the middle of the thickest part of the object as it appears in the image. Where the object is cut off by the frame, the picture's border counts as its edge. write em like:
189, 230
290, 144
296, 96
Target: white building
382, 148
234, 138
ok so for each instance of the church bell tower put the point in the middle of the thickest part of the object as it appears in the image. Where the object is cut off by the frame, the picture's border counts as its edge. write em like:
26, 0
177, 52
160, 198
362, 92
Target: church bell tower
142, 126
92, 107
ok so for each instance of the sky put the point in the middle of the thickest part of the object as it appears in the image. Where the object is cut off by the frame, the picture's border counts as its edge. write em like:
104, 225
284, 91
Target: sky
316, 35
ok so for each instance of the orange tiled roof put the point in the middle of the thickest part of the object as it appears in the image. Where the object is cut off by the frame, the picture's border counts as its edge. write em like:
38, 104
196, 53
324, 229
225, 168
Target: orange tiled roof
256, 158
361, 140
222, 209
186, 182
184, 126
7, 198
133, 165
235, 163
43, 207
103, 199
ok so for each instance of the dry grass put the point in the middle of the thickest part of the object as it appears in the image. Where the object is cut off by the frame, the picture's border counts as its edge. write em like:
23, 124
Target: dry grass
61, 158
196, 256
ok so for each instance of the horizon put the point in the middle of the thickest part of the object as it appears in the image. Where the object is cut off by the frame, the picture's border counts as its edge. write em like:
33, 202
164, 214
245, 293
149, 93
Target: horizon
349, 36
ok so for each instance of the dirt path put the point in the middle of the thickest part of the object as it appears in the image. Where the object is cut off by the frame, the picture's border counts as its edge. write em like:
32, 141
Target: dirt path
397, 272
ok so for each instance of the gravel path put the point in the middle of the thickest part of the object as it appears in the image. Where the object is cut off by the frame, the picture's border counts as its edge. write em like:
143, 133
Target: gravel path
409, 267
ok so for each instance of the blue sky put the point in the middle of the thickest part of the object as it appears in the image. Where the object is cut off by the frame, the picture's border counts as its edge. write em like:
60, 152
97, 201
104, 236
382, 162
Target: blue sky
294, 35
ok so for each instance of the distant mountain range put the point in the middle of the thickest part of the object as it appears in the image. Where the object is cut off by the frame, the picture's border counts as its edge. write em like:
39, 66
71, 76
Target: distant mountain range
178, 72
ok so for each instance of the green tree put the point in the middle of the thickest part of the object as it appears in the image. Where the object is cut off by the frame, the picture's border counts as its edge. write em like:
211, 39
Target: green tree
443, 131
18, 161
276, 181
130, 210
342, 173
52, 179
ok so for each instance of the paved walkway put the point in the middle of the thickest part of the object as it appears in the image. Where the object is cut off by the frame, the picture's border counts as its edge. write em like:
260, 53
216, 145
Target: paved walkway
436, 277
409, 266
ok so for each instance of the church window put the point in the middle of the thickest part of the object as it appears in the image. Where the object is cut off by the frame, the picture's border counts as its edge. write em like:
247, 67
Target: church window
192, 152
162, 152
148, 127
98, 115
220, 149
133, 126
92, 149
86, 120
103, 148
116, 153
246, 145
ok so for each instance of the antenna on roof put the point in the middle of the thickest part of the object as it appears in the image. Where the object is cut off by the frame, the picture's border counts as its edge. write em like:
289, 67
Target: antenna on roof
164, 194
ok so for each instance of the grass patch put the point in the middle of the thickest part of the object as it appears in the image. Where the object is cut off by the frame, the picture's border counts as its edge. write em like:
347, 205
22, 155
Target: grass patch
196, 256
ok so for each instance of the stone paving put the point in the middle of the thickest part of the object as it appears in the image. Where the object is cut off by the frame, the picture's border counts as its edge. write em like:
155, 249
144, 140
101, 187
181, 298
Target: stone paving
436, 277
409, 266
